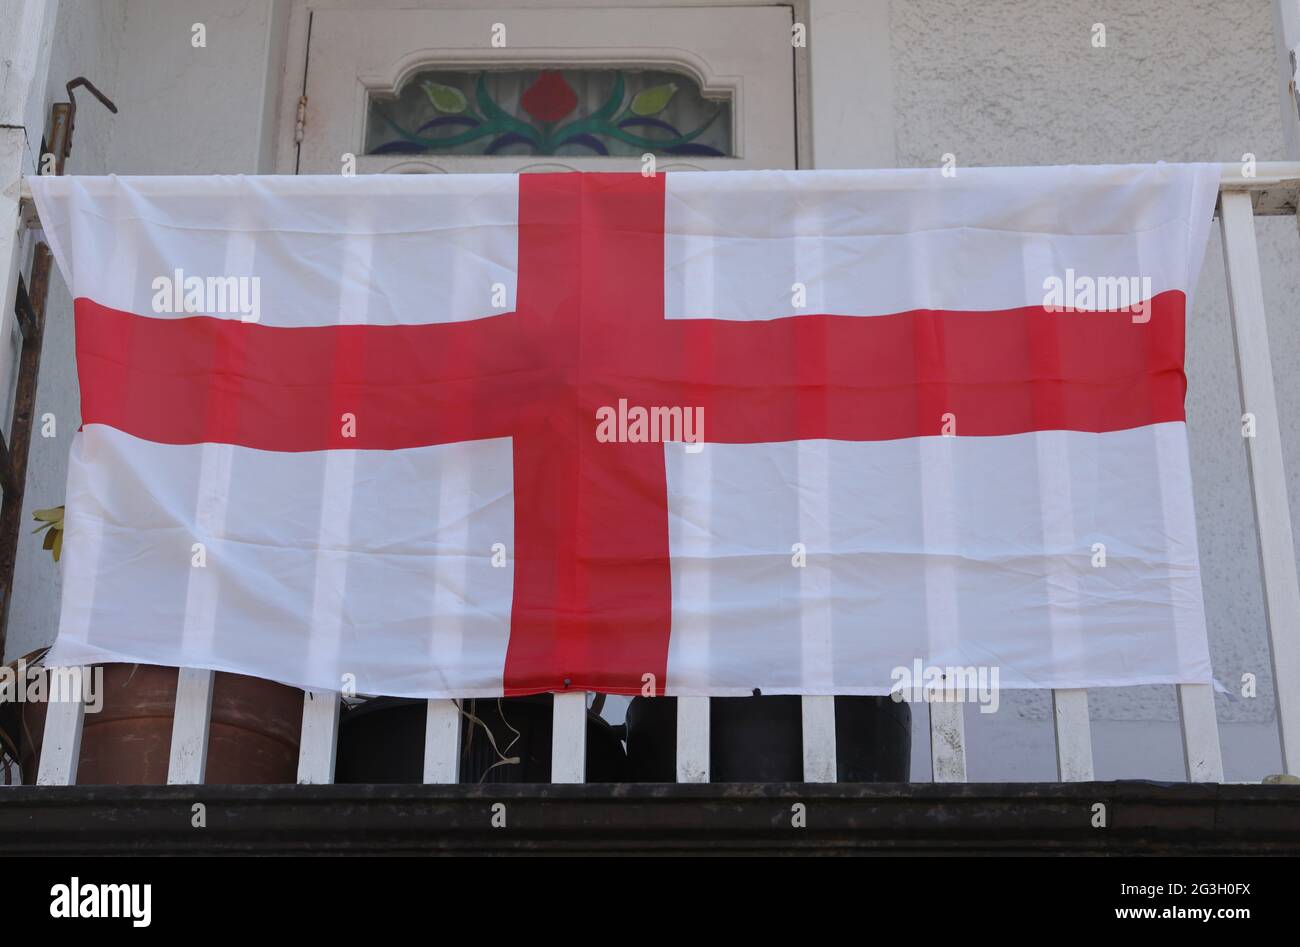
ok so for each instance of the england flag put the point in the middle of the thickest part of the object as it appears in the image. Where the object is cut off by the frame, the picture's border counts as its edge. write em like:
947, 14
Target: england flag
694, 434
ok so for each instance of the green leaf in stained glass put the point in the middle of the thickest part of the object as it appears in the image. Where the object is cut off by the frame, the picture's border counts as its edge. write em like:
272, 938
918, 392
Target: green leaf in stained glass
654, 100
445, 98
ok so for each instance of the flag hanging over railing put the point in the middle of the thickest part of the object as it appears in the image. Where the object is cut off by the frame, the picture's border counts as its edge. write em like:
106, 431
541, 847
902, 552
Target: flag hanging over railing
455, 436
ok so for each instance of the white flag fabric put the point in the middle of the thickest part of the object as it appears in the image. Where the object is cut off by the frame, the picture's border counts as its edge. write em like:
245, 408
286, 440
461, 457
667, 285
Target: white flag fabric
696, 434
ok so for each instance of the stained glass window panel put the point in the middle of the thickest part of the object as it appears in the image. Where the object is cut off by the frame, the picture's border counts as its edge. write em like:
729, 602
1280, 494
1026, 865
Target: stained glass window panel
573, 112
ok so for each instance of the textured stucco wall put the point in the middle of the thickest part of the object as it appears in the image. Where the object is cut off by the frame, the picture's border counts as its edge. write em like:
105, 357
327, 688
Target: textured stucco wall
197, 110
1001, 82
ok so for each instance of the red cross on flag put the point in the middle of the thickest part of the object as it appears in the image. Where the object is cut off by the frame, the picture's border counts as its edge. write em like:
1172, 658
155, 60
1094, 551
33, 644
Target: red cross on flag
466, 435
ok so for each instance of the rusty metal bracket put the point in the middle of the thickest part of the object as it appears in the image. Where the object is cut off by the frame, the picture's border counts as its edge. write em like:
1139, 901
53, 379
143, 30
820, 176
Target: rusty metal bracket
63, 119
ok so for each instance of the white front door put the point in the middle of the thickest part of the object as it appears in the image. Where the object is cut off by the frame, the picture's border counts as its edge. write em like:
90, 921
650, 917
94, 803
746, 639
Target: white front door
556, 89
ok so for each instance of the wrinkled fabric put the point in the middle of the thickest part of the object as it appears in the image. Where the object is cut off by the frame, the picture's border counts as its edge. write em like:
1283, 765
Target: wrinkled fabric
909, 454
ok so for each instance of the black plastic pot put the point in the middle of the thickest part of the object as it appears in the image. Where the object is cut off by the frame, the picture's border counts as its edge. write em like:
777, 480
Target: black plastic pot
760, 739
382, 741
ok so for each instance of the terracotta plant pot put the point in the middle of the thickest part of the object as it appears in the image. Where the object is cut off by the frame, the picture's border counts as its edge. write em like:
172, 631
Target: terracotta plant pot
254, 737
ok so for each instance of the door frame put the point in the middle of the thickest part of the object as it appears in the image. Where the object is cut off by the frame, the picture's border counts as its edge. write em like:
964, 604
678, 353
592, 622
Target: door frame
296, 64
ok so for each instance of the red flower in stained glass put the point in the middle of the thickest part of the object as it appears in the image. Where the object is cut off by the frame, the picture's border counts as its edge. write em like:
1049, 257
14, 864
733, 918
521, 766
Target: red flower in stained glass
550, 98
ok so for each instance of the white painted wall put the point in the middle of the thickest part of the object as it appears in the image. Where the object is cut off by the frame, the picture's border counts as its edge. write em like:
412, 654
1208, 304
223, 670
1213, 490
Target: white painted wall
893, 83
198, 111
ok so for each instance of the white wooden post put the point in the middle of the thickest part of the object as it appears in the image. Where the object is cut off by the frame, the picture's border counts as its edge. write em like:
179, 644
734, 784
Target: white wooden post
947, 741
320, 731
191, 725
61, 743
442, 742
569, 738
1073, 736
1264, 451
819, 761
1201, 752
693, 717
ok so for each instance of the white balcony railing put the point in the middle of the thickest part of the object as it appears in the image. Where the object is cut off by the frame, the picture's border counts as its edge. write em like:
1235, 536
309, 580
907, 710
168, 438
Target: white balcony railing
1272, 190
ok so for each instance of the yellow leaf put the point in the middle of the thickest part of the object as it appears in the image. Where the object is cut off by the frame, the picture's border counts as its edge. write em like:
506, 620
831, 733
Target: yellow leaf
653, 100
445, 98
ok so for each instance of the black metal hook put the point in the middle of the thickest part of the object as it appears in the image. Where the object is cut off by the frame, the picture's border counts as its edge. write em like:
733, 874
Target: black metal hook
83, 81
72, 107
